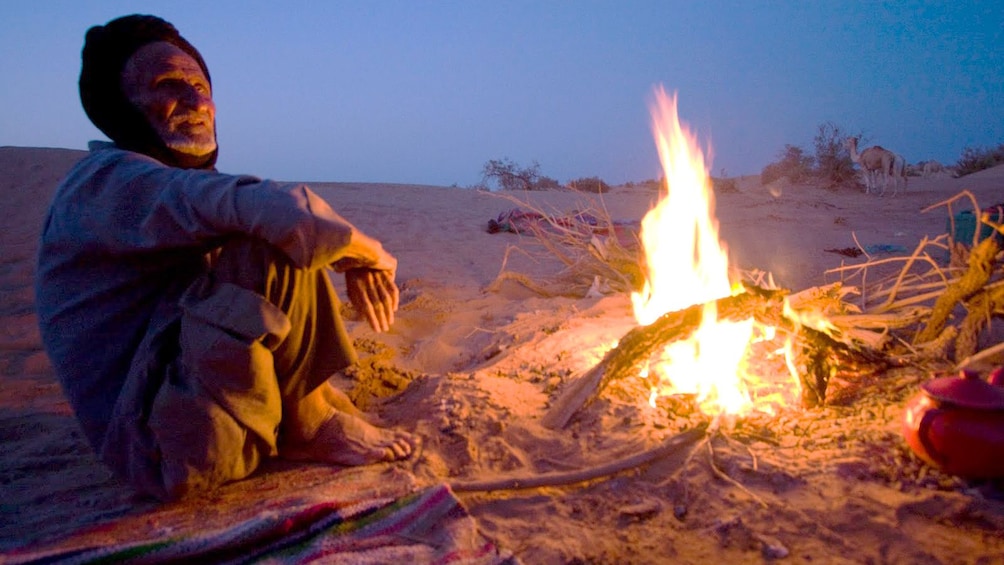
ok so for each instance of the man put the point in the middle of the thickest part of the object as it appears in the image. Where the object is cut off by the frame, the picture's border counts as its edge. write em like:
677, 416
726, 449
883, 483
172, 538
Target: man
189, 314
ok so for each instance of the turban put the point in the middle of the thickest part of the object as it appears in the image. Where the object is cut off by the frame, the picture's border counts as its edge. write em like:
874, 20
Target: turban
106, 50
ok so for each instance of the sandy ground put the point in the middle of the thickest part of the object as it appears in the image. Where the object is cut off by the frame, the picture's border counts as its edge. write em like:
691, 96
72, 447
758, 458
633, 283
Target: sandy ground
474, 370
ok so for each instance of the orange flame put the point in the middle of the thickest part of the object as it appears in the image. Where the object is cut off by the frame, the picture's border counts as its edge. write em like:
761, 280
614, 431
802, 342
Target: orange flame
686, 264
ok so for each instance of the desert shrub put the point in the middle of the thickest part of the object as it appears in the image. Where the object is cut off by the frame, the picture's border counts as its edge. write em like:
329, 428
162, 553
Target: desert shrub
771, 172
654, 185
792, 163
506, 174
722, 185
589, 184
976, 159
833, 160
547, 183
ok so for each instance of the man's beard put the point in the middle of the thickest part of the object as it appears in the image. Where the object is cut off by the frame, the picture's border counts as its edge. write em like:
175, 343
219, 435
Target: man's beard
196, 143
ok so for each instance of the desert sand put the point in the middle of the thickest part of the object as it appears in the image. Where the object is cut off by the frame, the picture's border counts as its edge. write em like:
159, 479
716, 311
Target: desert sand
473, 368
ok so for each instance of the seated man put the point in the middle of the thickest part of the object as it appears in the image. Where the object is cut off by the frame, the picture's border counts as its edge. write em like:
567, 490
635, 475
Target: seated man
188, 313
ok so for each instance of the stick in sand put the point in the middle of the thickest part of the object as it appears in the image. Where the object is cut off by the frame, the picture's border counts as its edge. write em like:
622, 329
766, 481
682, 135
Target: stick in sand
668, 447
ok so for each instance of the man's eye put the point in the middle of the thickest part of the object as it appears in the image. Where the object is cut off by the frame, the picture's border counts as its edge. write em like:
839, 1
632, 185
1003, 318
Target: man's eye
169, 83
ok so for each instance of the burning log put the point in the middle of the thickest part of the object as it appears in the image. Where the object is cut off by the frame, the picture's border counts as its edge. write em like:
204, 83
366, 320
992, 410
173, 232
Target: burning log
821, 355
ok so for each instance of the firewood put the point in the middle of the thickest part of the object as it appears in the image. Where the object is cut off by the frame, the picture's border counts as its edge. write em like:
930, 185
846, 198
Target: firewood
639, 344
821, 356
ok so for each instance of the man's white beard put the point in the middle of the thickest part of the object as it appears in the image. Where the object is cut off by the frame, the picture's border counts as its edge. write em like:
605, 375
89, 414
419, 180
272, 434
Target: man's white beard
195, 145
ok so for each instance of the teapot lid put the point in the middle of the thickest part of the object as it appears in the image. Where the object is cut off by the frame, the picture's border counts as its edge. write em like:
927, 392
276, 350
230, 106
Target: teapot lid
968, 390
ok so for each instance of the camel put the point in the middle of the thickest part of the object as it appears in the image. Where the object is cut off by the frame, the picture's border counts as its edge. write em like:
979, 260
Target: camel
875, 161
898, 173
931, 167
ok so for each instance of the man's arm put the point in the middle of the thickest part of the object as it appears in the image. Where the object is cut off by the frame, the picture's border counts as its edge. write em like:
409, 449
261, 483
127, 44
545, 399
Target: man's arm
141, 204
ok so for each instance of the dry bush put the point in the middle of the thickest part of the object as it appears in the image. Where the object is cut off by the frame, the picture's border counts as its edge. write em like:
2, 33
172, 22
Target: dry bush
506, 174
722, 185
792, 164
975, 159
932, 310
834, 166
589, 184
547, 183
595, 261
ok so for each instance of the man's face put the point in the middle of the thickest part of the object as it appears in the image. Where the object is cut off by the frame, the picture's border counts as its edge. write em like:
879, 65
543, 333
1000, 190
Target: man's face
170, 89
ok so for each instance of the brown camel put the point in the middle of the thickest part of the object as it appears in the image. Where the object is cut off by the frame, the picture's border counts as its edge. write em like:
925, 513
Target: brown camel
874, 161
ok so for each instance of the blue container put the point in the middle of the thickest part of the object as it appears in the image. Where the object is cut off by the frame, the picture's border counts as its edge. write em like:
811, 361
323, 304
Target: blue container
965, 226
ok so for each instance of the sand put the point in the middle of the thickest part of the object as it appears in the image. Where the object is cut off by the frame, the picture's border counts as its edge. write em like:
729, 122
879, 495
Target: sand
474, 370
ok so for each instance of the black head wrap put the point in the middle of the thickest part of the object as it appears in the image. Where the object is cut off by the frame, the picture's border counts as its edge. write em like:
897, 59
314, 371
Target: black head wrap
106, 50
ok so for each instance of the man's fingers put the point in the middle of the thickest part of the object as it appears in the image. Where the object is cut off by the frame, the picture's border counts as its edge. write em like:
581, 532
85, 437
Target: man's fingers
369, 310
375, 295
388, 279
391, 295
384, 295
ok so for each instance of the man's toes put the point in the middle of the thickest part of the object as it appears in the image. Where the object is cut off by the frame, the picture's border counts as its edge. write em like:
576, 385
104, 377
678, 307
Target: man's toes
400, 450
400, 445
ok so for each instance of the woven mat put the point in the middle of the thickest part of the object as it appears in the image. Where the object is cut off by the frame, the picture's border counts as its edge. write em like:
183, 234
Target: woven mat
362, 515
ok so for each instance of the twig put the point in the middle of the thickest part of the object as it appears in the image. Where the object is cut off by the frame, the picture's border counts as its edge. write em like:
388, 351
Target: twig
948, 204
725, 477
749, 451
864, 274
567, 478
988, 352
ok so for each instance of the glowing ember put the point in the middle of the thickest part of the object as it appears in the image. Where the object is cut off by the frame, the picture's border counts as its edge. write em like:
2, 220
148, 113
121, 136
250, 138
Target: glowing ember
686, 264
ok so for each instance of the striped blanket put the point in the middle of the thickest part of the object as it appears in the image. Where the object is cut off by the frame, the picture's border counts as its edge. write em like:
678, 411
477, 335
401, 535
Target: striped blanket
429, 525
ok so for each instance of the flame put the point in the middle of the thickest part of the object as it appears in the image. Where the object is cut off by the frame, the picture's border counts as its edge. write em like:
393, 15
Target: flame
685, 263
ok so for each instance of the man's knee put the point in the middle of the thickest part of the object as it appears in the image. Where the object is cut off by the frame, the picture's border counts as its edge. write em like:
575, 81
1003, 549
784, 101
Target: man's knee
241, 312
202, 446
253, 264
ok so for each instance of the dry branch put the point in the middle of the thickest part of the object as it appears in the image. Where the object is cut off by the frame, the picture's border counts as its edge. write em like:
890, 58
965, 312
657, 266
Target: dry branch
668, 447
981, 264
982, 306
923, 296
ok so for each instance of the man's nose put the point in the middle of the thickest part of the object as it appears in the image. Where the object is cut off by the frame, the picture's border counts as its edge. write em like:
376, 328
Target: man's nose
198, 100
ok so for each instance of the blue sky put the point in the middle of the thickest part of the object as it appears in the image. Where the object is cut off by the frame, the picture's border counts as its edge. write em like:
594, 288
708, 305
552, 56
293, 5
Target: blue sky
428, 91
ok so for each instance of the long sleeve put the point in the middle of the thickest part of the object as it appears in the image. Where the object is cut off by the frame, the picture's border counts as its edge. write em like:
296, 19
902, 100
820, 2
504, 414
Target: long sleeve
127, 202
125, 235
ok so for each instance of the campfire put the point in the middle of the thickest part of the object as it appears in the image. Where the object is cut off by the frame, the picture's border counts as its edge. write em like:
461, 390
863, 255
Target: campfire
685, 263
702, 333
719, 349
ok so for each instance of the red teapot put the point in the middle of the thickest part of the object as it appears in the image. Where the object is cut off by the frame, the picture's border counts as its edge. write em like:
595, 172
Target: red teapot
956, 424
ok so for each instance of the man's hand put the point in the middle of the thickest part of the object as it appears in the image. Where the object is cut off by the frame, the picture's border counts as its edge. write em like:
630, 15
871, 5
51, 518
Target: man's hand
364, 252
374, 293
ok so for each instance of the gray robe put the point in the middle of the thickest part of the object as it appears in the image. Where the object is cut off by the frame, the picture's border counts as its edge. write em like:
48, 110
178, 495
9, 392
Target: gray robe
172, 356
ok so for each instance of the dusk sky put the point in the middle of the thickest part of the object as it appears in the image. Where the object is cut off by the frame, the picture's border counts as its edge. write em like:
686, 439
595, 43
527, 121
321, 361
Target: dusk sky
427, 91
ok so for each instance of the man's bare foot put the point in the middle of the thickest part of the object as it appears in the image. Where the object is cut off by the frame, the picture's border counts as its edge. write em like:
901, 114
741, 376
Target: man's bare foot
345, 439
325, 426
